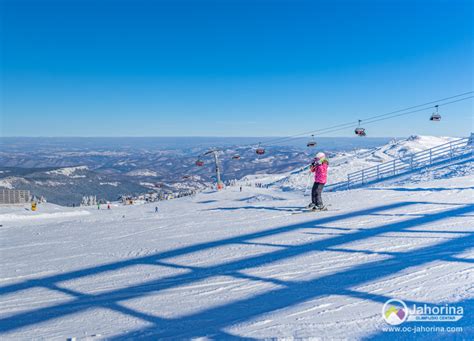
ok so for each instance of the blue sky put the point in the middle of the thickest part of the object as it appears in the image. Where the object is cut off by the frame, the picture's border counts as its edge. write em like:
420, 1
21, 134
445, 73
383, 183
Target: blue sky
231, 68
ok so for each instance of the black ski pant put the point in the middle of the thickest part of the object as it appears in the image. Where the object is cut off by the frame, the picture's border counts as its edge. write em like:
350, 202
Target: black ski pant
316, 192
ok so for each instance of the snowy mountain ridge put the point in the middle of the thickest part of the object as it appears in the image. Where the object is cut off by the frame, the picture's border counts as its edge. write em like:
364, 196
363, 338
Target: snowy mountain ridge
128, 166
112, 176
343, 163
68, 171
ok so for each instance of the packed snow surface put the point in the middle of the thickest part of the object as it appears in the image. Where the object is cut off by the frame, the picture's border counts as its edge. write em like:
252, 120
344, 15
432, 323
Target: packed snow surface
239, 264
14, 213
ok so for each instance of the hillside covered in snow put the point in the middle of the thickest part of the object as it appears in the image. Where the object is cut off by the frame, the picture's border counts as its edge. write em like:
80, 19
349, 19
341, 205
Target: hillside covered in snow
63, 170
110, 174
230, 265
343, 163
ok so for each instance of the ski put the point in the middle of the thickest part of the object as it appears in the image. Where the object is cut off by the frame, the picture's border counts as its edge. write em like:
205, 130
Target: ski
306, 210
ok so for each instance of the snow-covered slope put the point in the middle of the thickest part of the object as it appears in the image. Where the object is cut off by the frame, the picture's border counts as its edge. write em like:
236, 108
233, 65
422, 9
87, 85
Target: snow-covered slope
239, 265
344, 163
403, 148
16, 213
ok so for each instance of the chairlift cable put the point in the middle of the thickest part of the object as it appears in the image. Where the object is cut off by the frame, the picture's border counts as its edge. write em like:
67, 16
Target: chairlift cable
260, 150
368, 119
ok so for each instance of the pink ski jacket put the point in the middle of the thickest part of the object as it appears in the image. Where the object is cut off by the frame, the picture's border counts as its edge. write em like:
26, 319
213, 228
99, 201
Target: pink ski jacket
320, 172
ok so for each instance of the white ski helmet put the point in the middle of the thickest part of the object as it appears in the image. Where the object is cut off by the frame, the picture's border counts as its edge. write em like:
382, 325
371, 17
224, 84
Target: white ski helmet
320, 155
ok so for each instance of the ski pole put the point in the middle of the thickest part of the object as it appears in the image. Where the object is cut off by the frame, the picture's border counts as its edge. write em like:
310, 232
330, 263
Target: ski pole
307, 184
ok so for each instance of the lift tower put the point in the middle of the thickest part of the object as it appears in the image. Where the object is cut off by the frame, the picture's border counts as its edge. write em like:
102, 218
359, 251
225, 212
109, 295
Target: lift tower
215, 153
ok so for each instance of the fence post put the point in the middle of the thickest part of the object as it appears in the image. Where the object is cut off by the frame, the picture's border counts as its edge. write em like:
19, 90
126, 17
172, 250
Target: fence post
431, 156
378, 172
394, 170
362, 177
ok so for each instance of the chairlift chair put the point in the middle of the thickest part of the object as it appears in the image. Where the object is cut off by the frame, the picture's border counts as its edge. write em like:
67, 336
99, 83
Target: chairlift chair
435, 116
312, 142
359, 131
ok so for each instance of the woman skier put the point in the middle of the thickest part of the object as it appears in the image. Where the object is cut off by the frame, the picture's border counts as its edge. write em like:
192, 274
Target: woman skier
319, 167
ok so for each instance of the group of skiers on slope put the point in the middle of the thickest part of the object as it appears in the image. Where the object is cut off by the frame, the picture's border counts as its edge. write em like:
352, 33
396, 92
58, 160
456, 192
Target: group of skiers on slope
319, 167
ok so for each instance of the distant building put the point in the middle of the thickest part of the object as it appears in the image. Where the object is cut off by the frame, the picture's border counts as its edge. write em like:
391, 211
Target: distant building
14, 196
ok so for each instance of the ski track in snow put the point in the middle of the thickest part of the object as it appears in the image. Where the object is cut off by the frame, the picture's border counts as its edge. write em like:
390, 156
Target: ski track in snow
235, 267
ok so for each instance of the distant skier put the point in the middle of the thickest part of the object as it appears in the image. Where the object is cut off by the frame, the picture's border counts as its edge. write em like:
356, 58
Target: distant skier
156, 209
241, 188
108, 206
320, 169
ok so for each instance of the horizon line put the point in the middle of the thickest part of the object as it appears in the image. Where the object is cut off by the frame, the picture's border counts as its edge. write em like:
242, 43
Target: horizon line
213, 136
